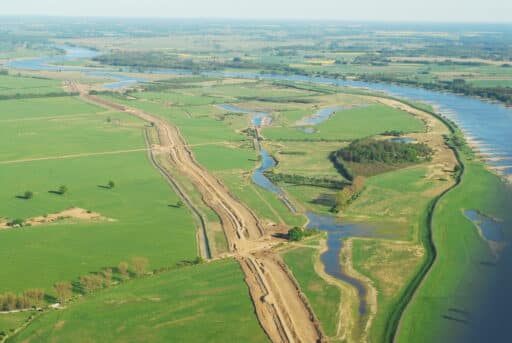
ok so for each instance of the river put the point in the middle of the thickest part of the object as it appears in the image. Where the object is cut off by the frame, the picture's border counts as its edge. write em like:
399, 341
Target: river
488, 126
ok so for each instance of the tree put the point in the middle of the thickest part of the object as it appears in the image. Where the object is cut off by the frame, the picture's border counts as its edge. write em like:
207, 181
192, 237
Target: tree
8, 301
63, 190
64, 291
180, 203
91, 282
28, 195
295, 234
343, 198
122, 268
139, 265
111, 184
34, 297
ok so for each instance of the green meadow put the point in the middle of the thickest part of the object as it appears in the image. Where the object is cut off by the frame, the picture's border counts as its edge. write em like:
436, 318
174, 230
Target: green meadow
451, 284
141, 222
351, 124
21, 86
45, 107
325, 298
204, 303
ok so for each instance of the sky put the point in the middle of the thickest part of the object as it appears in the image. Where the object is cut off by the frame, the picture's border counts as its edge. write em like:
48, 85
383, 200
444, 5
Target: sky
357, 10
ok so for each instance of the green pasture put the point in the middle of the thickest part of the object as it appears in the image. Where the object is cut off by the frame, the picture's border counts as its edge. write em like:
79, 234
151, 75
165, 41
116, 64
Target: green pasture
45, 107
24, 139
351, 124
19, 85
205, 303
142, 221
324, 298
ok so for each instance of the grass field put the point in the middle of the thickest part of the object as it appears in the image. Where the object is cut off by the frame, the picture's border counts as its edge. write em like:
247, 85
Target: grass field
9, 322
143, 223
352, 124
451, 285
65, 135
325, 298
45, 107
221, 157
206, 303
19, 85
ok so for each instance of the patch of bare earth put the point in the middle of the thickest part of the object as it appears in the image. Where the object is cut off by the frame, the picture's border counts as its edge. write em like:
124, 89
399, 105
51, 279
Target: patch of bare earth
71, 213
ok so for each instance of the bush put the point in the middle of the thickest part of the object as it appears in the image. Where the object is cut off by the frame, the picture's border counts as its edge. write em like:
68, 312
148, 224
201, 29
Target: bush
63, 190
16, 222
297, 233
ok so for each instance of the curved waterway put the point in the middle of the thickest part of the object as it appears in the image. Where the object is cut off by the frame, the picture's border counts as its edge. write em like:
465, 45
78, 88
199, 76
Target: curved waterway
336, 231
488, 125
72, 53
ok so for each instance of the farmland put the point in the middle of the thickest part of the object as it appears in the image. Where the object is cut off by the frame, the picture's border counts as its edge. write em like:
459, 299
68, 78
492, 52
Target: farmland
247, 191
84, 246
178, 305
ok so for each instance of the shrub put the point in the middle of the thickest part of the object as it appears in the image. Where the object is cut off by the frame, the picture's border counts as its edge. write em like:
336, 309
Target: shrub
63, 190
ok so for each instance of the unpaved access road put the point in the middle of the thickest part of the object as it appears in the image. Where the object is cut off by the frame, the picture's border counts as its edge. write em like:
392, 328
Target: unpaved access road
282, 309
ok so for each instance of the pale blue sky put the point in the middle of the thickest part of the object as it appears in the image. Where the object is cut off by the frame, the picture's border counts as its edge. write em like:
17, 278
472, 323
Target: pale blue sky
386, 10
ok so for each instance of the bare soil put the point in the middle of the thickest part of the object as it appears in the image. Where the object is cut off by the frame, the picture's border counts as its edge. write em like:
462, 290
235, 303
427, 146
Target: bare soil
71, 213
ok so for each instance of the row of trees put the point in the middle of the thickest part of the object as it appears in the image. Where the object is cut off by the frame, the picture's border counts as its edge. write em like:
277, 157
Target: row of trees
64, 290
349, 193
304, 180
31, 298
90, 283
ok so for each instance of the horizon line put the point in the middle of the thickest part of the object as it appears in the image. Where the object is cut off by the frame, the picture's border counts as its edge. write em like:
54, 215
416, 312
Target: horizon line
274, 19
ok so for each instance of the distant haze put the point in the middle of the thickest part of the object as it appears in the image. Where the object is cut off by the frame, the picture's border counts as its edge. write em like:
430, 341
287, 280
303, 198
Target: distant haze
373, 10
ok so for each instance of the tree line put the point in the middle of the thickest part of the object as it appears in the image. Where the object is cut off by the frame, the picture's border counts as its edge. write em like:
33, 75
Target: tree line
294, 179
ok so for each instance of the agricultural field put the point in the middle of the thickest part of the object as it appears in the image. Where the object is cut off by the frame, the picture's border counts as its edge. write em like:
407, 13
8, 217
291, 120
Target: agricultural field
351, 124
82, 151
254, 182
200, 303
16, 86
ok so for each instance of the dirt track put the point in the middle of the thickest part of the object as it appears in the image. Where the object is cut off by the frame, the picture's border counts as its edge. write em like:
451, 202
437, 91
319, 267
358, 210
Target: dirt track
282, 310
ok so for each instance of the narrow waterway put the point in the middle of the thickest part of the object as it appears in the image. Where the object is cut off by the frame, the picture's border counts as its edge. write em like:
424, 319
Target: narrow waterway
336, 231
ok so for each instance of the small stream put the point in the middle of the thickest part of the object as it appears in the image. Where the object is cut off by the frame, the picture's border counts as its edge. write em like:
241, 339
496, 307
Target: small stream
336, 231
